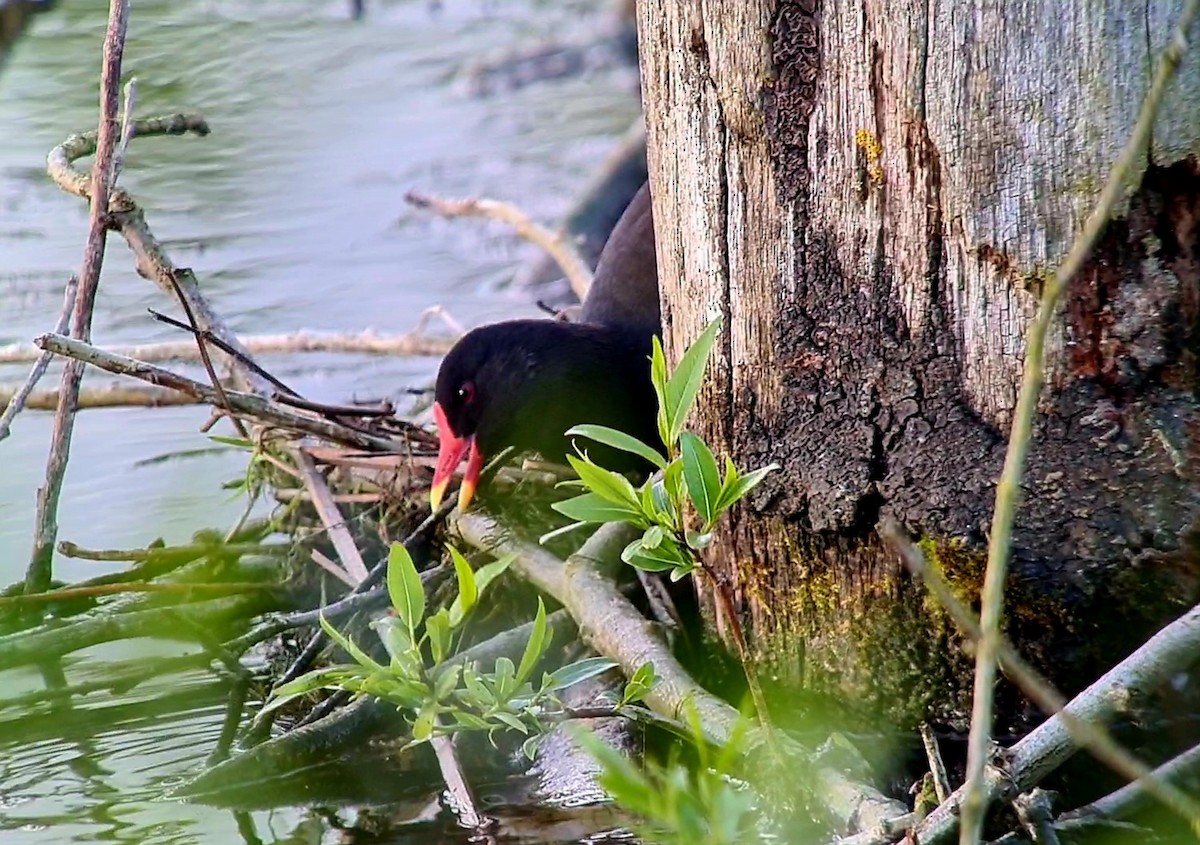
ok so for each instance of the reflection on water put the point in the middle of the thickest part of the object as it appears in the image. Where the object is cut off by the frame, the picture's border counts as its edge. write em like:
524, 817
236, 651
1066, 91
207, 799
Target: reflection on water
291, 214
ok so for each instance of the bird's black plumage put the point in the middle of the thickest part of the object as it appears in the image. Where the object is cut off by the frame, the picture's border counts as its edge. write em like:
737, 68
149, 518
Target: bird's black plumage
523, 383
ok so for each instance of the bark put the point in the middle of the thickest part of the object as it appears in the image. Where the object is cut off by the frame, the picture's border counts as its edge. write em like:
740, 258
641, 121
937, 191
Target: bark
872, 195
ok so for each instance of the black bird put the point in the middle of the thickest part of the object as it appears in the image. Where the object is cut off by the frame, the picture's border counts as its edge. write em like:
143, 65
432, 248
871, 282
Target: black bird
523, 383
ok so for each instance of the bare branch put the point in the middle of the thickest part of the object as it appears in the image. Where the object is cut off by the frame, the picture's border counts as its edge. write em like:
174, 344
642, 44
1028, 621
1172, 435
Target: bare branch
578, 274
1076, 724
38, 575
247, 404
24, 396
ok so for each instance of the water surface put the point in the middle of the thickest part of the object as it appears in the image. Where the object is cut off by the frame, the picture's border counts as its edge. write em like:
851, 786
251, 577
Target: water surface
291, 214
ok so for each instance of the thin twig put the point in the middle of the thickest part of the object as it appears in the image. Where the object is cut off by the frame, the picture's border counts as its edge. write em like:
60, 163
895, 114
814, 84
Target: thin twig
203, 336
578, 274
331, 517
68, 593
222, 403
38, 576
108, 396
327, 410
329, 565
1008, 489
23, 396
412, 344
127, 130
243, 403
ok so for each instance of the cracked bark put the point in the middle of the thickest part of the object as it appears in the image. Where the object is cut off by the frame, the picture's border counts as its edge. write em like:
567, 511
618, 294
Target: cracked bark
871, 194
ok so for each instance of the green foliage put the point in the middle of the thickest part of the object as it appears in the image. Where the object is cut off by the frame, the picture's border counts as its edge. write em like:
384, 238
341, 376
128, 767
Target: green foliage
700, 804
442, 695
687, 475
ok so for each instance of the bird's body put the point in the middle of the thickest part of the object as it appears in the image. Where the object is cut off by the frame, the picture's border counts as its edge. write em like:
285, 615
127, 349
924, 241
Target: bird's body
523, 383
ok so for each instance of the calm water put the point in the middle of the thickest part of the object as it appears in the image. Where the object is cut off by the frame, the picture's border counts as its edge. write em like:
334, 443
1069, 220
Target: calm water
292, 215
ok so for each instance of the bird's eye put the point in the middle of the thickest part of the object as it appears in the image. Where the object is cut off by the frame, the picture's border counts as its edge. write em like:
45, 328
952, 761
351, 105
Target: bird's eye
467, 392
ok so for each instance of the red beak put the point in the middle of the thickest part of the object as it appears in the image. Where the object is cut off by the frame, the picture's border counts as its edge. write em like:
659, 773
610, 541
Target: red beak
451, 450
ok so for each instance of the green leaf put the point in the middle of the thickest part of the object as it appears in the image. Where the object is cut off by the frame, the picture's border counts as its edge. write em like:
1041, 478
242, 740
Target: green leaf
404, 587
740, 486
318, 679
397, 639
236, 442
645, 675
536, 647
684, 384
446, 681
504, 678
592, 507
653, 537
480, 695
348, 645
701, 476
422, 728
658, 377
619, 440
530, 746
696, 540
437, 627
512, 721
651, 560
609, 485
489, 572
577, 672
468, 589
468, 719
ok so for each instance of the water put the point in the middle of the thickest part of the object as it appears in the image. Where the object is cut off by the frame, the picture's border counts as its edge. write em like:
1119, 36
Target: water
291, 214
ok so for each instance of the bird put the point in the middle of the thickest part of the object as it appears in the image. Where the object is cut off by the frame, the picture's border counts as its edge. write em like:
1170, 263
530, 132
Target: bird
524, 383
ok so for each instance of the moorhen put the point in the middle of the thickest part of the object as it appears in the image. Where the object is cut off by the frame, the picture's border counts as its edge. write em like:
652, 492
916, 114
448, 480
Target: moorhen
523, 383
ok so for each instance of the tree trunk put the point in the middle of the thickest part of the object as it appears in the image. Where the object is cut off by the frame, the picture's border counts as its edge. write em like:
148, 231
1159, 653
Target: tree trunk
872, 194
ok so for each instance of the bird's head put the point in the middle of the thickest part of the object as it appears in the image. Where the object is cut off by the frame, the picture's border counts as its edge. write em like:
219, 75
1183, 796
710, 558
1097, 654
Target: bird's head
484, 374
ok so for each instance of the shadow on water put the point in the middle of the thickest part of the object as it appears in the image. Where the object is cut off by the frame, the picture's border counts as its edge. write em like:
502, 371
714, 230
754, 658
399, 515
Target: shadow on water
292, 216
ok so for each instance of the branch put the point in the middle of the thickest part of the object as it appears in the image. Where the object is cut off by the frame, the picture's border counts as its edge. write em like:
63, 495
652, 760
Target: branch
24, 396
1009, 486
1076, 724
612, 626
578, 274
242, 403
38, 575
110, 396
127, 217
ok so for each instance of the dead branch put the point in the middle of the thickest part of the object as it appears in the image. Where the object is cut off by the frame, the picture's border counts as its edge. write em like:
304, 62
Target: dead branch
413, 344
578, 274
246, 404
109, 396
1048, 746
612, 626
24, 396
38, 575
152, 262
331, 518
1084, 732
